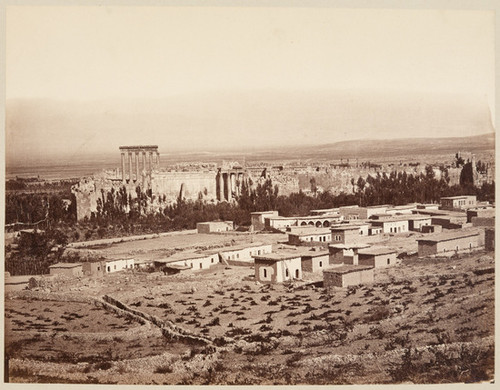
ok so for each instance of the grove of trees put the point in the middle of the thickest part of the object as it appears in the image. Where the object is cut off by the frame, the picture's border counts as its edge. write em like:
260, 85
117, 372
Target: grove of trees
118, 213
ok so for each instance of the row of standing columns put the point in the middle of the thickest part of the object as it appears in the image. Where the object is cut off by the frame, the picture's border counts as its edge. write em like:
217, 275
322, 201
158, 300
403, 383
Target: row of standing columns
229, 185
150, 159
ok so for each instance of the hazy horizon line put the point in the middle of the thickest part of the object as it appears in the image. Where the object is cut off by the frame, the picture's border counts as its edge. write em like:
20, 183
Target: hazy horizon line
220, 150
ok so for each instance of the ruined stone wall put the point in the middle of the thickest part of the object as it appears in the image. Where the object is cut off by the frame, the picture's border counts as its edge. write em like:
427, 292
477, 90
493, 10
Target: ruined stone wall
86, 198
191, 184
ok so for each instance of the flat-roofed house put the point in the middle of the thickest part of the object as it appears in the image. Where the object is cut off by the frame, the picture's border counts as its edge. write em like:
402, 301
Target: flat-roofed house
314, 261
355, 212
345, 253
374, 230
432, 229
278, 267
68, 269
334, 211
188, 260
456, 221
449, 242
416, 222
214, 226
349, 212
242, 254
94, 268
401, 210
309, 235
318, 221
397, 224
347, 275
377, 257
460, 202
258, 219
427, 206
379, 217
488, 212
279, 223
116, 265
345, 234
364, 227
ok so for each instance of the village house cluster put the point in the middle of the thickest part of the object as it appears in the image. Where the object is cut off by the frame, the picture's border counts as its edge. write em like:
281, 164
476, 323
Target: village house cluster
339, 242
468, 225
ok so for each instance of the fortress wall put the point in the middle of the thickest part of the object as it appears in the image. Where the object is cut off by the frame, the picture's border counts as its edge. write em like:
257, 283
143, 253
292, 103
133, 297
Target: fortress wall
86, 203
192, 183
86, 198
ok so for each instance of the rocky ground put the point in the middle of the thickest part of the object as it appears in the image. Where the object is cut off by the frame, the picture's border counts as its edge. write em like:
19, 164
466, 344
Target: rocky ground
422, 321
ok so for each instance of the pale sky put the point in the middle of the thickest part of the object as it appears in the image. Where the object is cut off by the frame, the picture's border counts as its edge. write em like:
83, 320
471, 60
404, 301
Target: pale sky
209, 56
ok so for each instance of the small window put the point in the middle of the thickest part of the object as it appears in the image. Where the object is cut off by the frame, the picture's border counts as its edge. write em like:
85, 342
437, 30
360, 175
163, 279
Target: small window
237, 255
212, 259
258, 252
98, 268
115, 266
286, 273
320, 264
296, 273
201, 265
265, 273
388, 261
109, 268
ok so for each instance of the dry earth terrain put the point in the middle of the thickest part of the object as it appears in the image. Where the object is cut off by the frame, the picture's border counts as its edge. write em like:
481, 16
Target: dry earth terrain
422, 321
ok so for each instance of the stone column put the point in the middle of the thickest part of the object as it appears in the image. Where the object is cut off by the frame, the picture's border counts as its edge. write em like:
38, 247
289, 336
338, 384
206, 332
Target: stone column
240, 181
158, 159
150, 161
144, 161
130, 167
233, 184
124, 180
137, 166
221, 186
225, 178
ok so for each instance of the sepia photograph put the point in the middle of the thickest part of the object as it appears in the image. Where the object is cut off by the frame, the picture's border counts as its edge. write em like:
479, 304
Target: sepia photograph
248, 194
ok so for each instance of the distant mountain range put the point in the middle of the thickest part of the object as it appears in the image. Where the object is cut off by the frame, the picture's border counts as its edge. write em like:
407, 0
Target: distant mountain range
363, 149
372, 148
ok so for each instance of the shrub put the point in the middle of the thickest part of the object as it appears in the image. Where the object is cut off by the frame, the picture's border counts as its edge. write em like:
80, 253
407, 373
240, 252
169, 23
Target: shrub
214, 322
380, 313
164, 369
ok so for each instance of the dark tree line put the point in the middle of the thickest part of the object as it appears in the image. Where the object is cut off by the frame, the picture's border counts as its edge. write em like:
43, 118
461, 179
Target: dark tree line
400, 188
36, 252
34, 207
118, 213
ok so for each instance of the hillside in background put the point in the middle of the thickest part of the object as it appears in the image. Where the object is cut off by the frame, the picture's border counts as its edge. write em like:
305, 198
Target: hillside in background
364, 149
377, 149
373, 148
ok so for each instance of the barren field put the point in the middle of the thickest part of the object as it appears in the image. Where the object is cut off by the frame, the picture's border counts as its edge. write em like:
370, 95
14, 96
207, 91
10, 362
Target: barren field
163, 246
422, 321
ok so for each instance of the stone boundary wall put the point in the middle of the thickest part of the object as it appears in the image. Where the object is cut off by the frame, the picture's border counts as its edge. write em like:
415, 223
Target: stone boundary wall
106, 241
168, 329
